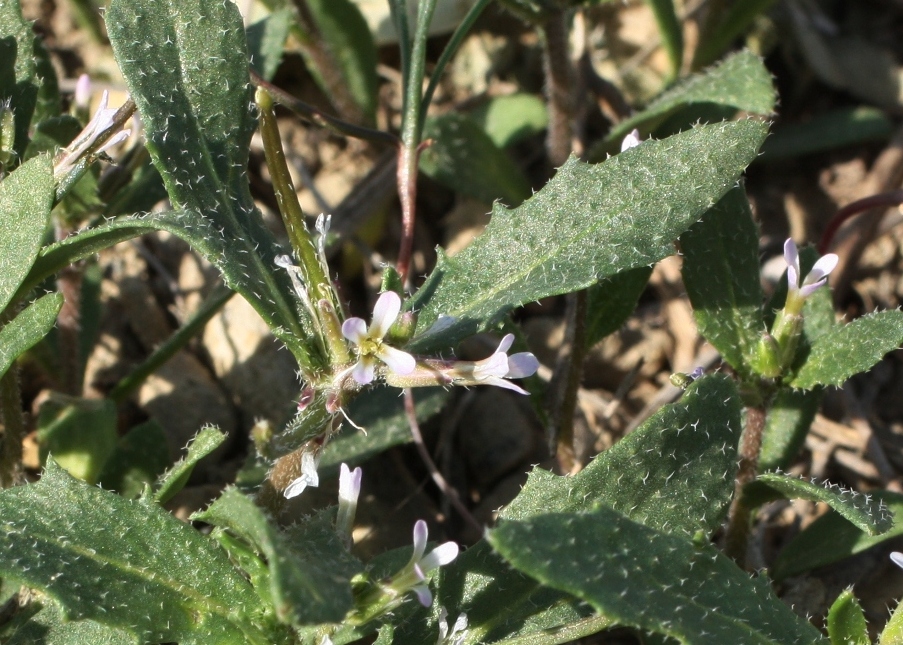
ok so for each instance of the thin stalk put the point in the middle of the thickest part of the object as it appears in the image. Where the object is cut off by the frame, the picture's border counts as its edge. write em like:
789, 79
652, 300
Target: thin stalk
450, 50
447, 490
399, 11
211, 305
560, 84
320, 118
740, 514
566, 381
11, 473
411, 131
68, 323
882, 200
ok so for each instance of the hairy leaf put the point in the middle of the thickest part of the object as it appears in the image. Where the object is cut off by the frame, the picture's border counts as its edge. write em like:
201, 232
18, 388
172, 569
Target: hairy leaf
26, 329
648, 579
789, 420
611, 302
174, 479
18, 72
48, 627
721, 274
109, 559
832, 538
26, 197
588, 223
864, 511
309, 569
140, 457
266, 40
849, 349
826, 131
846, 622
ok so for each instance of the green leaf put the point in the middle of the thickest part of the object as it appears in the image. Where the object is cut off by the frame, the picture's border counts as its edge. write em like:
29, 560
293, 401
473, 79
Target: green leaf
893, 631
671, 32
174, 479
740, 83
18, 74
310, 578
850, 349
198, 134
611, 302
346, 38
465, 159
266, 40
832, 538
26, 197
846, 622
140, 457
511, 119
79, 433
721, 274
48, 627
658, 582
865, 512
588, 223
109, 559
734, 22
789, 420
827, 131
29, 327
675, 473
381, 413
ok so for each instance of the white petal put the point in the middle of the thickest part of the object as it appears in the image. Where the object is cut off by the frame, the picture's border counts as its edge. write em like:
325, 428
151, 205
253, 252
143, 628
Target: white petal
363, 370
116, 138
398, 361
296, 487
421, 534
496, 366
355, 330
349, 484
897, 558
632, 140
508, 385
441, 555
822, 268
505, 345
424, 595
792, 258
385, 311
522, 365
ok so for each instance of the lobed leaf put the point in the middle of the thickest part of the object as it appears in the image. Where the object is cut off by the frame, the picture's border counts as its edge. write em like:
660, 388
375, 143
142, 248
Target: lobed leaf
588, 223
850, 349
831, 538
125, 564
642, 577
26, 197
309, 570
867, 514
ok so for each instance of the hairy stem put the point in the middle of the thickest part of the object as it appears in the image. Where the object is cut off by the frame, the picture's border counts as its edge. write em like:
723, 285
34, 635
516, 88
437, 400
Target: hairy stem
11, 473
560, 84
566, 382
740, 514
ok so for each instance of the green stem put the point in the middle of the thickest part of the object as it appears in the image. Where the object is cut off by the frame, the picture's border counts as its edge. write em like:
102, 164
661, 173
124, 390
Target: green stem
740, 514
11, 472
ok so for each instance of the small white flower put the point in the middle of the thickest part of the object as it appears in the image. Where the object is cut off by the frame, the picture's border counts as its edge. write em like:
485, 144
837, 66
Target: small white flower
814, 279
420, 564
498, 367
632, 140
309, 476
458, 632
349, 490
897, 558
369, 340
100, 123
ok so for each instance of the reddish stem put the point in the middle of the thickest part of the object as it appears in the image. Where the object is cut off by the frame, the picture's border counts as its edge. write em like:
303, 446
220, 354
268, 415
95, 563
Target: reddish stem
408, 161
882, 200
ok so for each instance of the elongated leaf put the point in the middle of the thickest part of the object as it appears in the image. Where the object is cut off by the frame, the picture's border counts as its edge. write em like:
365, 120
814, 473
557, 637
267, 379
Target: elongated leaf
734, 21
310, 578
832, 538
266, 40
827, 131
893, 631
198, 134
866, 512
26, 197
174, 479
741, 83
108, 559
846, 622
788, 423
465, 159
79, 433
48, 627
671, 32
721, 273
674, 473
641, 577
610, 303
26, 329
18, 73
588, 223
849, 349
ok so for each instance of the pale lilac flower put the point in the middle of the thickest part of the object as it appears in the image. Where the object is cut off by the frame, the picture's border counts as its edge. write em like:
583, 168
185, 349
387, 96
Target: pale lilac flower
349, 490
897, 558
814, 279
309, 476
498, 367
632, 140
413, 576
369, 340
82, 96
100, 123
458, 631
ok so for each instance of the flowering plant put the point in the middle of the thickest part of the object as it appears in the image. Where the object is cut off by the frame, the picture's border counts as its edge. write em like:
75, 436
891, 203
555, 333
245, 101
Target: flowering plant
652, 535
